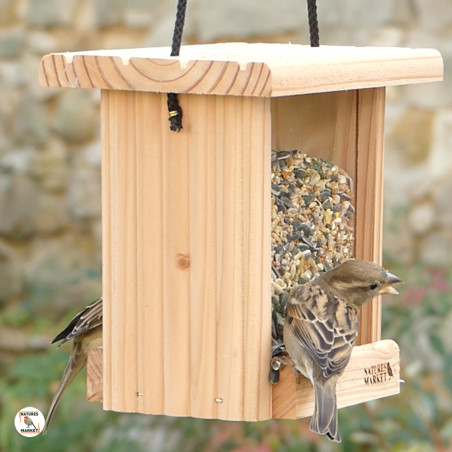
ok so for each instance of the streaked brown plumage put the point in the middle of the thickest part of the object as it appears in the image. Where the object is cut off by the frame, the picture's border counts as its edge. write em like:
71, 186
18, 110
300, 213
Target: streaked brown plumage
321, 328
86, 330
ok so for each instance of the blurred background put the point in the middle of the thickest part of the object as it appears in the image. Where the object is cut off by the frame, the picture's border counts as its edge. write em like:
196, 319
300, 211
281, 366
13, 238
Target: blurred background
50, 219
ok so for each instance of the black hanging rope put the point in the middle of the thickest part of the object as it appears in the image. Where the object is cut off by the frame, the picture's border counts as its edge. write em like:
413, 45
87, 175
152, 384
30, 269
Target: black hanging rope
313, 23
174, 109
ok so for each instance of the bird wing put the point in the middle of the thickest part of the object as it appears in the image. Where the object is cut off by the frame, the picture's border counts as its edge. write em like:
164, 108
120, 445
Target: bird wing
324, 325
86, 320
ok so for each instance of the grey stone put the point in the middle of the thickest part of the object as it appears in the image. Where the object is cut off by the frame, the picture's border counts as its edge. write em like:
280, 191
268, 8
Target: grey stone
83, 197
161, 34
5, 139
13, 340
50, 215
8, 12
76, 116
348, 23
92, 154
433, 17
444, 204
12, 76
11, 43
26, 209
49, 167
139, 13
10, 273
412, 136
50, 13
31, 123
109, 12
62, 271
18, 199
217, 19
387, 36
404, 13
17, 161
41, 42
440, 161
435, 247
421, 218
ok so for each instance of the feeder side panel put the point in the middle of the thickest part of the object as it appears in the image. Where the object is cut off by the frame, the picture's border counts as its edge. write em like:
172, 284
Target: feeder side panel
369, 197
186, 256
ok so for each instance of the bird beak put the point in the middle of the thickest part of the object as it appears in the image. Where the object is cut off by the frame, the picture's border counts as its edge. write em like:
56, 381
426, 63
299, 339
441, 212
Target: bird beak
388, 289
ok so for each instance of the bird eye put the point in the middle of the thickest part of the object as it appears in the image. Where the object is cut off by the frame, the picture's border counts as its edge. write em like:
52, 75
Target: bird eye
373, 286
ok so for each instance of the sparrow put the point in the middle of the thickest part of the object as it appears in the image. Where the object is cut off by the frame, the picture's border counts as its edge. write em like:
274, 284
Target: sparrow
86, 331
321, 327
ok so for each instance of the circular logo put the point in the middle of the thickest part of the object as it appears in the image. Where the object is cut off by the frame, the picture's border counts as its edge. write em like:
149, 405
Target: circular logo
29, 421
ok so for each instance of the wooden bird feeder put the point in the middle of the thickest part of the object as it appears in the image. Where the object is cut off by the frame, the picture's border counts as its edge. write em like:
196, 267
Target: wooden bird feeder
186, 216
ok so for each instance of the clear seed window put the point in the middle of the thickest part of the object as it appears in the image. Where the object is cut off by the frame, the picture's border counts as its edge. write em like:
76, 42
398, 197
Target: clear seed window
312, 224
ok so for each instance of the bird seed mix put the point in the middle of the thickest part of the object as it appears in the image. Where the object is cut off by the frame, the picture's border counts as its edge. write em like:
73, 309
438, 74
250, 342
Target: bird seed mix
312, 224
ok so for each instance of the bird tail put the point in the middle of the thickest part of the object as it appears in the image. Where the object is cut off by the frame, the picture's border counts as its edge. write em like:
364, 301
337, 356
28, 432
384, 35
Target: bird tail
76, 362
324, 419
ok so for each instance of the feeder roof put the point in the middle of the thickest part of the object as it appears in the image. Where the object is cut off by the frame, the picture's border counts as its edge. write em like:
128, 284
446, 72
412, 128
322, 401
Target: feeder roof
241, 69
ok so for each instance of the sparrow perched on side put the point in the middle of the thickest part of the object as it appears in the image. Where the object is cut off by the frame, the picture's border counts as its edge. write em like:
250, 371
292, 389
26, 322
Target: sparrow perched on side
86, 330
321, 327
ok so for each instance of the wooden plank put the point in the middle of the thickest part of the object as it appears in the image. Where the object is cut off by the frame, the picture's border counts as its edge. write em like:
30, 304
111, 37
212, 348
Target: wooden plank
119, 233
373, 372
230, 194
242, 69
186, 246
320, 125
206, 195
150, 249
176, 260
369, 197
143, 237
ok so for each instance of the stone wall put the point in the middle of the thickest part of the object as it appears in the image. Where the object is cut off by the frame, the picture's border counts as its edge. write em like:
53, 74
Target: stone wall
50, 244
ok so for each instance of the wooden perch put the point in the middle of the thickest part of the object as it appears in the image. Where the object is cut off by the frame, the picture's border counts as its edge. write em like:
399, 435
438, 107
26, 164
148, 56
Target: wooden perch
373, 372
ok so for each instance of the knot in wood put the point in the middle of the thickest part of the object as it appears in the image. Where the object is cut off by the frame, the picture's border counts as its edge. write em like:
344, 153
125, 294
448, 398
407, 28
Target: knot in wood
183, 261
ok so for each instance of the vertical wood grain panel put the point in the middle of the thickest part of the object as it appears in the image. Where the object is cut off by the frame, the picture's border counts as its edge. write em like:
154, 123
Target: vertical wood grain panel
230, 359
257, 137
149, 251
176, 270
320, 125
205, 249
187, 256
229, 244
369, 197
119, 234
107, 233
344, 149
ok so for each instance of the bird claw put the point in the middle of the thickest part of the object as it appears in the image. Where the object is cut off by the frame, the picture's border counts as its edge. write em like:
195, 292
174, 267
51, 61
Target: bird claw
280, 359
298, 375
